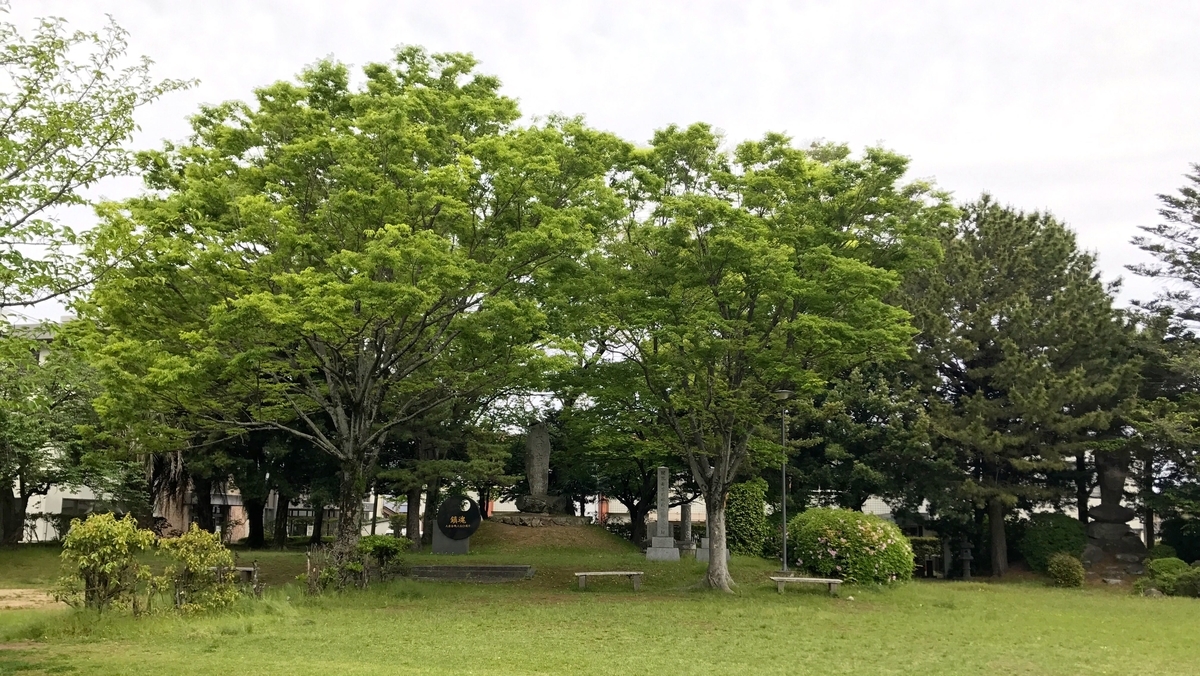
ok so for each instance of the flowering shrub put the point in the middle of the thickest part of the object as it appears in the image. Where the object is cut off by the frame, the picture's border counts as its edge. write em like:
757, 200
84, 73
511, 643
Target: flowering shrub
850, 545
100, 557
200, 575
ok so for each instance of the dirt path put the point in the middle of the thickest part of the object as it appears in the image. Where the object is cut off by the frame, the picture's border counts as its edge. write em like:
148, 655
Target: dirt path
13, 599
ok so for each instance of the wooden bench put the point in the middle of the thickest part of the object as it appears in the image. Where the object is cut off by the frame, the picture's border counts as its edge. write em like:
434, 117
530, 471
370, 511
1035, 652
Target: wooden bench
833, 584
634, 576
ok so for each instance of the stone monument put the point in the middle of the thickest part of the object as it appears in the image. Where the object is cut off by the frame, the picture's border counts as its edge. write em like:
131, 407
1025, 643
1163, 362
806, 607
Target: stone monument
457, 518
662, 545
686, 543
537, 474
1109, 528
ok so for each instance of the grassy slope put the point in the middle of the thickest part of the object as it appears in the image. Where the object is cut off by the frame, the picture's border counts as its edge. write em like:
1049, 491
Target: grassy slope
545, 626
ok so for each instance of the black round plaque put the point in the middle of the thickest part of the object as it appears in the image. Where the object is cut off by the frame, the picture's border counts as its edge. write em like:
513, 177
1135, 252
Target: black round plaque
458, 517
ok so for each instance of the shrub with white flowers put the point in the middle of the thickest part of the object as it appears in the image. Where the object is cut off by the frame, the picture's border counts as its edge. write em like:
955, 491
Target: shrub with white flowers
849, 545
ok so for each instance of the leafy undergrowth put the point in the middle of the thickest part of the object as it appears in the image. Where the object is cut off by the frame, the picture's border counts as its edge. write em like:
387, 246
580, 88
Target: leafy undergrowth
546, 625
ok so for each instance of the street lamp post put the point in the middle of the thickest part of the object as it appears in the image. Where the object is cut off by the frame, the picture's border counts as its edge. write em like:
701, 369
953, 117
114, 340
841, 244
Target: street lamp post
782, 396
783, 484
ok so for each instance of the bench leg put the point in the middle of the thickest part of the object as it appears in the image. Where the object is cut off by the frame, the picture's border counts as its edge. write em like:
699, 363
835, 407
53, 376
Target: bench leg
637, 582
779, 586
833, 590
583, 581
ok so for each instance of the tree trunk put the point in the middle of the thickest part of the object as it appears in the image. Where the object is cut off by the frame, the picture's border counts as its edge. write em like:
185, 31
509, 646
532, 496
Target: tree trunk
431, 506
412, 520
1148, 489
1083, 486
257, 538
282, 505
999, 544
717, 576
350, 494
485, 500
637, 521
12, 516
318, 523
202, 486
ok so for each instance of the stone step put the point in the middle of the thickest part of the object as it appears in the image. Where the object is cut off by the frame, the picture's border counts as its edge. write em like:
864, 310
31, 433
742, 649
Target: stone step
480, 573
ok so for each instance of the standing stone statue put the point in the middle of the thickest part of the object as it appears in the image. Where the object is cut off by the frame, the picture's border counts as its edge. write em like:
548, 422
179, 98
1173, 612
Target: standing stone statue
1109, 528
537, 474
662, 545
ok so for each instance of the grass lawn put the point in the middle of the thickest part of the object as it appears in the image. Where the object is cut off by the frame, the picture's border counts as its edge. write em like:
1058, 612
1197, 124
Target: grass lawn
546, 626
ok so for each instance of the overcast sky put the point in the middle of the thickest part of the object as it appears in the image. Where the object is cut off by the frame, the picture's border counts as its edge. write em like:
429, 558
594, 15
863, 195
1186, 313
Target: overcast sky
1086, 109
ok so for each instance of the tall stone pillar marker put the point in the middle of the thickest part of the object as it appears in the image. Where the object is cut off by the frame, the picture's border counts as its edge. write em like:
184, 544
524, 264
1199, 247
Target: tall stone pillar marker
537, 474
662, 545
685, 544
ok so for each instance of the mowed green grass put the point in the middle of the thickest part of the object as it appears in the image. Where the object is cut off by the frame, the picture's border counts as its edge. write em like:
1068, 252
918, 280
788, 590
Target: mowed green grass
546, 626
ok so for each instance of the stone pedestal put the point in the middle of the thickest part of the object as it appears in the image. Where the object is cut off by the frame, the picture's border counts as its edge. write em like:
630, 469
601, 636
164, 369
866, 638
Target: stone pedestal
662, 549
662, 545
537, 474
445, 545
1109, 529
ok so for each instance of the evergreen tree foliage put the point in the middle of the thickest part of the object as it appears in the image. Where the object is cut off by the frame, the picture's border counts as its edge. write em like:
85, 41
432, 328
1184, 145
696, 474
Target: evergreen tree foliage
1026, 362
746, 517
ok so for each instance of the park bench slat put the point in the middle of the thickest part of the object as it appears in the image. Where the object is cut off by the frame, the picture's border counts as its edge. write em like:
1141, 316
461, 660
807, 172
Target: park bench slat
634, 576
781, 581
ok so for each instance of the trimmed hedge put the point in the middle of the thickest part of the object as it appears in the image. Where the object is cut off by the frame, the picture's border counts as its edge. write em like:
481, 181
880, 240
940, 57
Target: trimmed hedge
850, 545
746, 517
1065, 570
1188, 583
1048, 534
1163, 574
925, 548
1162, 552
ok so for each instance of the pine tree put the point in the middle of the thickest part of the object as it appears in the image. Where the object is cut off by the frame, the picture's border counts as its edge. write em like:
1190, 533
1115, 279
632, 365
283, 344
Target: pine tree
1024, 356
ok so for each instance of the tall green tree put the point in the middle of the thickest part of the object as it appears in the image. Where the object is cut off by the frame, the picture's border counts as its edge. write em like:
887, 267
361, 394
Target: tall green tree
866, 435
67, 104
1169, 412
1027, 363
45, 404
322, 249
753, 271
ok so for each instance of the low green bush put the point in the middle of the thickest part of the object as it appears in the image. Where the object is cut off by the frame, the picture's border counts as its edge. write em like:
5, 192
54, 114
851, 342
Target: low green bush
385, 552
1065, 570
1161, 551
746, 517
1164, 573
200, 574
100, 560
925, 548
850, 545
1188, 583
383, 548
1048, 534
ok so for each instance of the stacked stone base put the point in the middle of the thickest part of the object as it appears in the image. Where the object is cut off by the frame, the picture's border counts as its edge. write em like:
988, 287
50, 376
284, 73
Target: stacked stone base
542, 520
544, 504
1110, 532
662, 549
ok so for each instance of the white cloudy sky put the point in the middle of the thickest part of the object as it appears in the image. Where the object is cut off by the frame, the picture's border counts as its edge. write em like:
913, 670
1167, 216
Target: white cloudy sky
1087, 109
